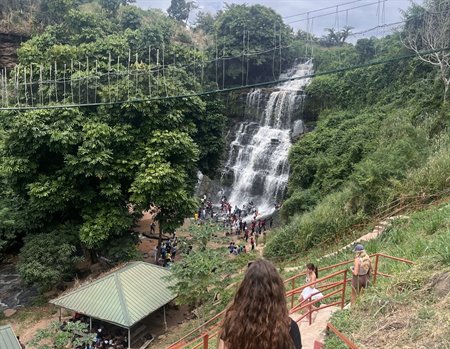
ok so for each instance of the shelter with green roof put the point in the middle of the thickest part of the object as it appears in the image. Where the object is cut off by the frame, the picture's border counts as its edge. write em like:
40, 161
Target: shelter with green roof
8, 339
122, 297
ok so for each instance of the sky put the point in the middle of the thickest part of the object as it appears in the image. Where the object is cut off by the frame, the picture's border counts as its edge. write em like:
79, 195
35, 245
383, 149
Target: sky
370, 13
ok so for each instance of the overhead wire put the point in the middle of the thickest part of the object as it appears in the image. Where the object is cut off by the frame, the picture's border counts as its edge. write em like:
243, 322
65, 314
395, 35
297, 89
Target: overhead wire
235, 88
334, 12
246, 53
322, 9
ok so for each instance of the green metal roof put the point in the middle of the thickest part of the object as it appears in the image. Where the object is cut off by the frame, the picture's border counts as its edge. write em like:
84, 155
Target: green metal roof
122, 297
8, 339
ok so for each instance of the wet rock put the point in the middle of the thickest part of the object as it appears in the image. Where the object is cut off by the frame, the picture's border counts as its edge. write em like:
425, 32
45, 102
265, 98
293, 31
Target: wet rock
441, 284
298, 129
13, 294
9, 43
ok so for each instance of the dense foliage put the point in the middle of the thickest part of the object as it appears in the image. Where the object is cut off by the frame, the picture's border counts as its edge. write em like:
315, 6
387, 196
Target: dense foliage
75, 181
55, 336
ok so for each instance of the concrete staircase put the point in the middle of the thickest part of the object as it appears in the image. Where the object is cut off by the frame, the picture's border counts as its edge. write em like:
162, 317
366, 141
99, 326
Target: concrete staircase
314, 334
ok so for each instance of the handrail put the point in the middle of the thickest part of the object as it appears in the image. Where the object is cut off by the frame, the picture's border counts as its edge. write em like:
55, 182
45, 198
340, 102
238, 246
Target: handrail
319, 269
197, 328
295, 290
341, 336
309, 284
404, 260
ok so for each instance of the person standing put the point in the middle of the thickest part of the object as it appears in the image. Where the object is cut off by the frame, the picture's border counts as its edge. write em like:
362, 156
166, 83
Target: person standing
361, 270
246, 235
310, 293
152, 228
21, 344
259, 320
174, 252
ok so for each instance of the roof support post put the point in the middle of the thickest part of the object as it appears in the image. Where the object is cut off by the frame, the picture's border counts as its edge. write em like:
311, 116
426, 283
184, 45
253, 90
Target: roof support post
165, 322
90, 324
129, 338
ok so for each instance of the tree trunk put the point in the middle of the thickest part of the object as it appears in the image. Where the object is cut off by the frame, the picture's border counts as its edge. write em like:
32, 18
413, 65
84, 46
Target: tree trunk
158, 252
446, 85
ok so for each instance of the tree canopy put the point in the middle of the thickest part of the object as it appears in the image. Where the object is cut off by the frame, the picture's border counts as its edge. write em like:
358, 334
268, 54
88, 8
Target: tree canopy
81, 177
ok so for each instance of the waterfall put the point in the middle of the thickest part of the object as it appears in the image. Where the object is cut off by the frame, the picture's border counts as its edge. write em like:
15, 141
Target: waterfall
257, 168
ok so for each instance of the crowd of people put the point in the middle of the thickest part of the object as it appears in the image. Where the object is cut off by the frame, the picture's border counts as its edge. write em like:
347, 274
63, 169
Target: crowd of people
105, 338
244, 222
234, 222
250, 232
167, 252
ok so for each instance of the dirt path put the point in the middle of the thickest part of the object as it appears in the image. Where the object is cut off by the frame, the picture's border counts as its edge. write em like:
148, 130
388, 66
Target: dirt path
379, 229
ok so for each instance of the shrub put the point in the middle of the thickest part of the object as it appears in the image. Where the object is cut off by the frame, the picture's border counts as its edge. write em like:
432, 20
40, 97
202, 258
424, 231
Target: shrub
430, 178
46, 259
330, 218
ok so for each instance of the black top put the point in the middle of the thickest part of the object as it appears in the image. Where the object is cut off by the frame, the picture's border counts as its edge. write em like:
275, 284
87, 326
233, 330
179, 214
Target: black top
295, 335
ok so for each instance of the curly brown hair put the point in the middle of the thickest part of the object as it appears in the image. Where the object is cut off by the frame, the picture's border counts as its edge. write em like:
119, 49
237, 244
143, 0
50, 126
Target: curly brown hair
258, 317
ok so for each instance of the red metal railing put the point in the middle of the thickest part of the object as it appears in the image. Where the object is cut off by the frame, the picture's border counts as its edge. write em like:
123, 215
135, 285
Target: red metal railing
310, 302
323, 285
341, 336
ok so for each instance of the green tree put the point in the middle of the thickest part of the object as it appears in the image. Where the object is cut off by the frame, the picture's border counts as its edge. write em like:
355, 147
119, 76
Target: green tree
200, 274
365, 49
55, 11
336, 37
180, 9
95, 169
253, 29
112, 6
205, 22
130, 17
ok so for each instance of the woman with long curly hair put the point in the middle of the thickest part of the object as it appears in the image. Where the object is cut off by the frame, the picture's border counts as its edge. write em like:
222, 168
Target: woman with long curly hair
258, 317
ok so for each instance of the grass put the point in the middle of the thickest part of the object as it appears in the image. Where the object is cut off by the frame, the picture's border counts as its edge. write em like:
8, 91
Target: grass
411, 310
29, 316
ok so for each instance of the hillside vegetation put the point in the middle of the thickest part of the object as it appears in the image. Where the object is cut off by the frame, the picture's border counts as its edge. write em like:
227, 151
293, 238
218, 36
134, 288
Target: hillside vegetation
382, 138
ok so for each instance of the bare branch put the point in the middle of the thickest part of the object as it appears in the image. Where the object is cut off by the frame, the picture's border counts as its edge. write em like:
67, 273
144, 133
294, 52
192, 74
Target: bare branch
432, 34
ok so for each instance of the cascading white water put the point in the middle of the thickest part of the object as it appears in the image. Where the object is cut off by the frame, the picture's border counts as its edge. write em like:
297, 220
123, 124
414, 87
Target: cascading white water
257, 166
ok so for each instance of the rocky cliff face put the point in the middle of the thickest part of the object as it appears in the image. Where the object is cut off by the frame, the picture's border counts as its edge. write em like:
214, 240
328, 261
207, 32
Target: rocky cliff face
9, 43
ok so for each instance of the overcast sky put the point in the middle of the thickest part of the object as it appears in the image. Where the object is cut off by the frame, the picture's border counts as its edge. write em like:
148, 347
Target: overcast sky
368, 15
